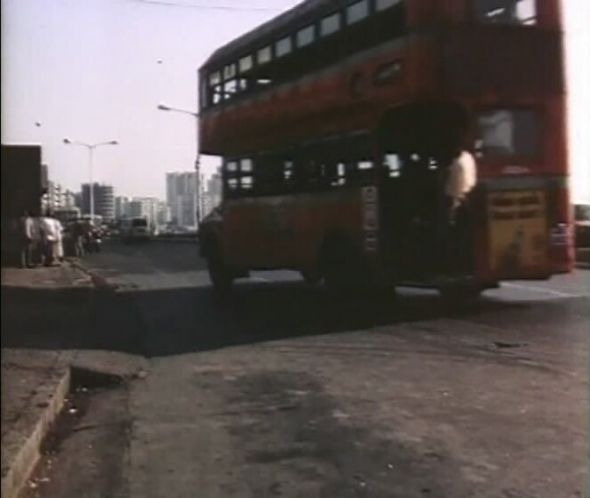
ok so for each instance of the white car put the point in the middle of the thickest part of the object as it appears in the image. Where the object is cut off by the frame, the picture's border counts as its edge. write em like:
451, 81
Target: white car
135, 229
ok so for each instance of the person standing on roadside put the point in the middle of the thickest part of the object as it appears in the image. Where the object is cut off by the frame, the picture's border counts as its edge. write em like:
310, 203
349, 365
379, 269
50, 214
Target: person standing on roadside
78, 236
26, 240
49, 238
58, 247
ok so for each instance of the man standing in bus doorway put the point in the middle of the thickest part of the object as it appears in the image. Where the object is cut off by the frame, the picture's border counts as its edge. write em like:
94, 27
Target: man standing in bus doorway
460, 182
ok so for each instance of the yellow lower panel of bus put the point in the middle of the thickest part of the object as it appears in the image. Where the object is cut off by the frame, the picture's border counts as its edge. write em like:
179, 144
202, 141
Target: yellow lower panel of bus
518, 231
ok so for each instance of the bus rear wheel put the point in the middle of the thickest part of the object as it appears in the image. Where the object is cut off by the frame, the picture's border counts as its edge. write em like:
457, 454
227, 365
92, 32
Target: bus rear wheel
341, 270
219, 274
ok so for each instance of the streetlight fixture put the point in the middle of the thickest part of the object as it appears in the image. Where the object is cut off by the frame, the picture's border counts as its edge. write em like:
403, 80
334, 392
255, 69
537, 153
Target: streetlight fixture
164, 107
90, 148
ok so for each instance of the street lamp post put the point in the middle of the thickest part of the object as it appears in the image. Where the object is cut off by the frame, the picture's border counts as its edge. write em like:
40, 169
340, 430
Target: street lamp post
163, 107
90, 148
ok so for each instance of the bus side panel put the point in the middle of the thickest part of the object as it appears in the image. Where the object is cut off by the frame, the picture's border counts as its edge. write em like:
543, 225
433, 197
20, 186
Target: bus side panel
321, 216
341, 98
287, 231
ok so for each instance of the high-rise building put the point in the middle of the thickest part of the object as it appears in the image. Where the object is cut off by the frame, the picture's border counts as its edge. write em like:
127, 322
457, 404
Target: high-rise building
163, 214
212, 196
104, 200
53, 197
121, 207
182, 198
69, 199
57, 197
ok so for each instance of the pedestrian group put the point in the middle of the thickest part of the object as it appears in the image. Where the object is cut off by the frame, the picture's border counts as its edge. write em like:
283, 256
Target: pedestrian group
41, 241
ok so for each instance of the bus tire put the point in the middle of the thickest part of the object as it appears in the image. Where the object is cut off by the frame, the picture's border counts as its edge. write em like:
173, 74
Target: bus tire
340, 268
219, 274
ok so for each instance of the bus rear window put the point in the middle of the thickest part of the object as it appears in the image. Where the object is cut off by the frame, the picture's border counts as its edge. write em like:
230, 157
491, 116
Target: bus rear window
506, 133
507, 11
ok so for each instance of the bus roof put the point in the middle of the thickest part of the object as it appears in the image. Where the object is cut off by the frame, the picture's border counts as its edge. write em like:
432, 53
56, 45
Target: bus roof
303, 13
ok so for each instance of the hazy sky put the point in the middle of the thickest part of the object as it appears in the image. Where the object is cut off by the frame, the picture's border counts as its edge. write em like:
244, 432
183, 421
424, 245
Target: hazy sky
95, 70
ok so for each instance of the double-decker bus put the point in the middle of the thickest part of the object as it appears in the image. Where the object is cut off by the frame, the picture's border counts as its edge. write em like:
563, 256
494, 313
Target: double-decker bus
335, 121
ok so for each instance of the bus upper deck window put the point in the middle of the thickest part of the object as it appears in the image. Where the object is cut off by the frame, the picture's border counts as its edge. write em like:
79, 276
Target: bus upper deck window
505, 133
385, 4
246, 165
507, 11
330, 24
357, 11
229, 71
246, 63
283, 46
214, 78
305, 36
264, 55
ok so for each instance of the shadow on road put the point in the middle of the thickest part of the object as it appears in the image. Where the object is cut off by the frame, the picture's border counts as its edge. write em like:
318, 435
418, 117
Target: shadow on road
175, 321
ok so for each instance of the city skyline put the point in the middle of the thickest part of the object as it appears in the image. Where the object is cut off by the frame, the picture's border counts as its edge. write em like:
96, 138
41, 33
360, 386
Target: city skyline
104, 82
178, 199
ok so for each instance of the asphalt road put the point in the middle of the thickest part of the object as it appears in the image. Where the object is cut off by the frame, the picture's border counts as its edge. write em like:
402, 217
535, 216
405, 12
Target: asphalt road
285, 391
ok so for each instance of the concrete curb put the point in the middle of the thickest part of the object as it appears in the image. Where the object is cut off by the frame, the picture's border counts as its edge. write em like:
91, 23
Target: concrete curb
25, 460
98, 281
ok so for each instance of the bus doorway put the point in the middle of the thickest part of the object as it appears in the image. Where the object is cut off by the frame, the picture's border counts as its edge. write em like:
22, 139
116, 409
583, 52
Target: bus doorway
418, 143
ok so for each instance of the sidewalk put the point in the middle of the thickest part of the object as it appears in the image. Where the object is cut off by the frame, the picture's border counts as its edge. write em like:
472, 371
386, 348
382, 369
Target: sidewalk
48, 326
35, 373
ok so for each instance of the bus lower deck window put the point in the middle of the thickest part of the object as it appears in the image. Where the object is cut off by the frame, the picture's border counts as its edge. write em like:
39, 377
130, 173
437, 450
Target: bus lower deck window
246, 183
506, 132
507, 11
393, 165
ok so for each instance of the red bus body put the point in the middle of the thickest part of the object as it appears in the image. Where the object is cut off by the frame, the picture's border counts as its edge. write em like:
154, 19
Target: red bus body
444, 55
